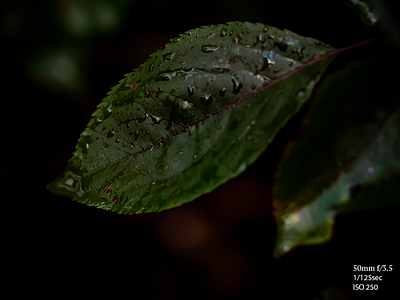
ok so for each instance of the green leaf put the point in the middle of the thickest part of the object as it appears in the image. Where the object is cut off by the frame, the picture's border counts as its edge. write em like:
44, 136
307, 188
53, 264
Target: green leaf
381, 17
367, 14
349, 158
192, 116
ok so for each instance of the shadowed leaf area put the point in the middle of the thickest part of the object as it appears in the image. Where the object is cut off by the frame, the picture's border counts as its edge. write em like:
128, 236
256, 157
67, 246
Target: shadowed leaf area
191, 117
349, 158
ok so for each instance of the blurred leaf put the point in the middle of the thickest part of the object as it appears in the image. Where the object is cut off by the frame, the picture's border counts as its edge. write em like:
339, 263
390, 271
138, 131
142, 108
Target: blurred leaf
348, 160
193, 116
84, 18
58, 70
366, 13
381, 17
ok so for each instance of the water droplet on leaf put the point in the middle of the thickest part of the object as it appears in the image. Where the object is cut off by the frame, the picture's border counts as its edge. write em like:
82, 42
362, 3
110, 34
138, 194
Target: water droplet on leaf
222, 92
156, 119
301, 93
190, 90
236, 85
223, 32
209, 48
207, 99
168, 56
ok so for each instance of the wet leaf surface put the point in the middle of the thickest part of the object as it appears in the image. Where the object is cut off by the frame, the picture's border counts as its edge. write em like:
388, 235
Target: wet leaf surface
192, 116
348, 159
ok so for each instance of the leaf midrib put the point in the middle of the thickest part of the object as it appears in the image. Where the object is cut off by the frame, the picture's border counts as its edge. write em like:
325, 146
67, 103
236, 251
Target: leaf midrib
313, 60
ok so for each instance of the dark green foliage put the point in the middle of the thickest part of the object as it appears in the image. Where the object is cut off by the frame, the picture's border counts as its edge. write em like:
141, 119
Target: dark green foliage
350, 152
198, 112
192, 116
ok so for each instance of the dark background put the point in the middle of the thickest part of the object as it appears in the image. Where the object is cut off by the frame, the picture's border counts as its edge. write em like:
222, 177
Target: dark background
59, 59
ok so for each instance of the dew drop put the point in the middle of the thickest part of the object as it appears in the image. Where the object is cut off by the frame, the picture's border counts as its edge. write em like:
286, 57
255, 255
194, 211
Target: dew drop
209, 48
236, 85
267, 63
299, 52
265, 29
147, 94
117, 140
187, 105
132, 145
253, 86
190, 90
109, 108
301, 93
207, 99
165, 76
87, 145
222, 92
168, 56
223, 32
136, 135
156, 119
194, 156
258, 39
317, 43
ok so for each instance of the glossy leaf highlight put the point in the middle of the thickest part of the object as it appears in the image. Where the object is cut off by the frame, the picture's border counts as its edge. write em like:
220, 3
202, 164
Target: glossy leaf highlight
192, 116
